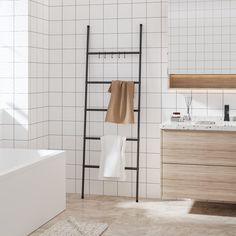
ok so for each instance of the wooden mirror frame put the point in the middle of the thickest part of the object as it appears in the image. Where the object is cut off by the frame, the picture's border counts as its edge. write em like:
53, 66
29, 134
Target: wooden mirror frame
200, 81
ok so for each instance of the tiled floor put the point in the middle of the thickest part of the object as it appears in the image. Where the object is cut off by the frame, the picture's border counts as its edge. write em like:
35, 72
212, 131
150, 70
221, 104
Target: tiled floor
152, 218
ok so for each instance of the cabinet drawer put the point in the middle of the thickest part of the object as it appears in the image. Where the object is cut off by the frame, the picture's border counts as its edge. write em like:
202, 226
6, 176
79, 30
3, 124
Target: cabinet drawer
215, 183
199, 140
219, 174
198, 190
199, 157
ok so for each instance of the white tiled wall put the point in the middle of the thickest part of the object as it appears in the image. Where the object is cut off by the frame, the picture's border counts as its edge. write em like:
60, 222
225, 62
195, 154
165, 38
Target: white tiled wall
14, 72
114, 26
24, 73
38, 73
201, 40
42, 82
202, 36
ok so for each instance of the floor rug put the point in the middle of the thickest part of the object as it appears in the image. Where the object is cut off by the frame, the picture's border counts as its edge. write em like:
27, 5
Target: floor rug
71, 227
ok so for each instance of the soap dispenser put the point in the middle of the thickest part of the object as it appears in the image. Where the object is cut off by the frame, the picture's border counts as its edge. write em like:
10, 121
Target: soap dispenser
226, 113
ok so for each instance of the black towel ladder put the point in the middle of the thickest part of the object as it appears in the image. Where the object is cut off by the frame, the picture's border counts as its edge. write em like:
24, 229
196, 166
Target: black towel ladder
86, 109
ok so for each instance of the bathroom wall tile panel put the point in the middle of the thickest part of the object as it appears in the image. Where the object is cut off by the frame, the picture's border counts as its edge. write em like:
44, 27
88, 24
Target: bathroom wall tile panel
216, 57
24, 22
114, 26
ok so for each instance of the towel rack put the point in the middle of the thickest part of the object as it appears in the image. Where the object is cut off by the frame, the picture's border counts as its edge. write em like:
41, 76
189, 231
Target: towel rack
86, 109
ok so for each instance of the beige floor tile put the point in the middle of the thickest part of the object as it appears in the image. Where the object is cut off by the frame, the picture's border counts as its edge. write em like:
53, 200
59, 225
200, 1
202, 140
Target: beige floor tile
151, 218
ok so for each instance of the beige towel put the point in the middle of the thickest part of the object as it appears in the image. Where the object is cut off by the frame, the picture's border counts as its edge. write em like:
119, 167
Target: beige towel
121, 105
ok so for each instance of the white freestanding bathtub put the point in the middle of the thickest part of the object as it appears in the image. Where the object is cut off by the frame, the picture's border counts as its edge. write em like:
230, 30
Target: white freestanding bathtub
32, 189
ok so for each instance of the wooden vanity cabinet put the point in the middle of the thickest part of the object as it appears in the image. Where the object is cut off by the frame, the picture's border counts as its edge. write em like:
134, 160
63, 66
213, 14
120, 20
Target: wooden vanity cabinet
199, 165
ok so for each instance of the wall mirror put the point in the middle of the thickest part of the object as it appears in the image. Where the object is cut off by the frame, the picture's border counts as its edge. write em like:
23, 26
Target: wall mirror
202, 43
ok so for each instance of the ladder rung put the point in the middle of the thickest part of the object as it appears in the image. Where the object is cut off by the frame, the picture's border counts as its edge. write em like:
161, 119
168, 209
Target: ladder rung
114, 53
105, 82
98, 138
96, 167
104, 109
91, 166
131, 168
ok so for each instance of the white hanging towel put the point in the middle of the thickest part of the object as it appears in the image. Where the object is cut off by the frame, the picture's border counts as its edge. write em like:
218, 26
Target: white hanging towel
112, 161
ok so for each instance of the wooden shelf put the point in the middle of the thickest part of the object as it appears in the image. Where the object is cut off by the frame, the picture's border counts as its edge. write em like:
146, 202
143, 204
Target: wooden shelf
201, 81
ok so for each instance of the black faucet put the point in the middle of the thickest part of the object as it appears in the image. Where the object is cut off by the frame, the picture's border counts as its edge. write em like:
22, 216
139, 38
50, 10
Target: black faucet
226, 113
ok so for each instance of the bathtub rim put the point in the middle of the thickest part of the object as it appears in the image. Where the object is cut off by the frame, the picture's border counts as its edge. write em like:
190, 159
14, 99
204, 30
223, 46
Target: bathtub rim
20, 168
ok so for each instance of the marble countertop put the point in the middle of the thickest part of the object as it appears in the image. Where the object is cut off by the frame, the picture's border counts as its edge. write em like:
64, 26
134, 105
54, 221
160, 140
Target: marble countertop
199, 125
